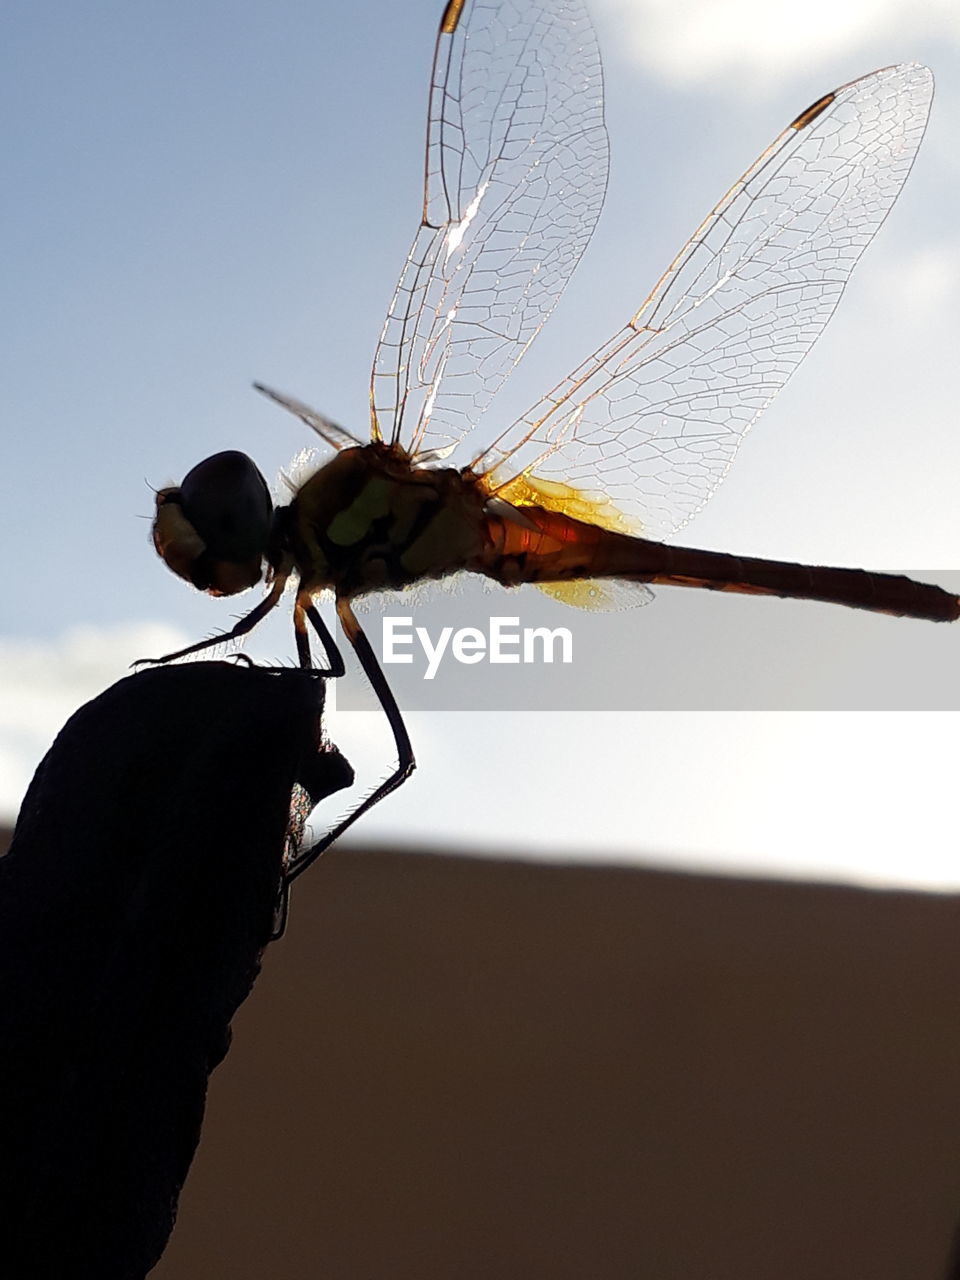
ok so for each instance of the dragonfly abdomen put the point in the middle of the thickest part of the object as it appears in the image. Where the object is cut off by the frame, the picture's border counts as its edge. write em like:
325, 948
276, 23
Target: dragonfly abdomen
857, 588
551, 547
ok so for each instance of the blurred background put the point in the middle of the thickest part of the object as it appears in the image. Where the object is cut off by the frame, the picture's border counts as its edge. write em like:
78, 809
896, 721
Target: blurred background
197, 195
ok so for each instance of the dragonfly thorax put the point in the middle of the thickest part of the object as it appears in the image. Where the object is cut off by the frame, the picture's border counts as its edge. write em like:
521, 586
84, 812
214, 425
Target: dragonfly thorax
370, 520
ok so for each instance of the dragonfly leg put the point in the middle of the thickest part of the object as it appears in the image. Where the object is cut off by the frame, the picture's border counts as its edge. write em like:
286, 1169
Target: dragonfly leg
304, 611
245, 625
281, 911
330, 646
301, 636
406, 763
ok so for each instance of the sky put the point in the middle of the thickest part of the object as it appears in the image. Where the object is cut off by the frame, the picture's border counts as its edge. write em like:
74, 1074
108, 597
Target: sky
200, 195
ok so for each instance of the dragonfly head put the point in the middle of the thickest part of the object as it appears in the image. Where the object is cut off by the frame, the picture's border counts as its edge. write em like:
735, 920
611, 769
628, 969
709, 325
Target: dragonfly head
214, 529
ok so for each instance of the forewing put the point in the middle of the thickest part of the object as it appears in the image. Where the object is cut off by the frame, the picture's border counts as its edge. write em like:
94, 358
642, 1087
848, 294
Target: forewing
654, 418
516, 170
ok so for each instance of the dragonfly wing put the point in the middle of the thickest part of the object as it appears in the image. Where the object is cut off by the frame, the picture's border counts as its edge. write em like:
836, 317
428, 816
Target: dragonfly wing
598, 595
328, 430
515, 175
654, 418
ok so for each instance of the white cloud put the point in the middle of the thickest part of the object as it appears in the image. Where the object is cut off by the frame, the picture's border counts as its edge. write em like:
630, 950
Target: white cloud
866, 798
692, 41
921, 285
858, 797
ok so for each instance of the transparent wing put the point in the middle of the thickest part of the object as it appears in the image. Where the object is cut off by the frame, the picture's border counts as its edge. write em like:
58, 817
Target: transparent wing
654, 418
516, 171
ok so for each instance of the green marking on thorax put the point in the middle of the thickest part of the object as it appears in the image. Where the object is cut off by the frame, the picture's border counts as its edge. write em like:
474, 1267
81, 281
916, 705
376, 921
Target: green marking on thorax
351, 525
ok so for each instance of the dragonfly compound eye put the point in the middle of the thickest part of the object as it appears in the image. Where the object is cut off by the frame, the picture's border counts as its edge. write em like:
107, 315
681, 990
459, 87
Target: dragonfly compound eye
214, 530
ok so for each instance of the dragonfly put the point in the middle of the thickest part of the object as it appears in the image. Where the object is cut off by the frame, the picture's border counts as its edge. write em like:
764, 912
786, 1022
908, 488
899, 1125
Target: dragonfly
579, 495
